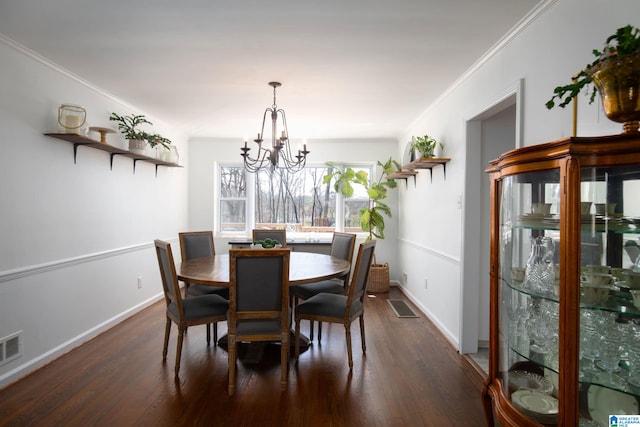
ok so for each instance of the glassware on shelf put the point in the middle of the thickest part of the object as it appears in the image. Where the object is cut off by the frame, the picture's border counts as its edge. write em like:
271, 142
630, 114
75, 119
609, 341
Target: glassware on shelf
589, 343
540, 271
610, 360
71, 118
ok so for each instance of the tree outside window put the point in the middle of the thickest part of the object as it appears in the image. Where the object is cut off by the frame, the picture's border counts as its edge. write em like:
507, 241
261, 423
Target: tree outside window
297, 202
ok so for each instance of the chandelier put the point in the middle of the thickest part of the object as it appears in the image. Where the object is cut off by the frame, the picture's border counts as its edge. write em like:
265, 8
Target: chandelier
279, 155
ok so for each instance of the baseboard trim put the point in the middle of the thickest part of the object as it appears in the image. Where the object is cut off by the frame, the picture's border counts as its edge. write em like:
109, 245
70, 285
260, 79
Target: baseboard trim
45, 358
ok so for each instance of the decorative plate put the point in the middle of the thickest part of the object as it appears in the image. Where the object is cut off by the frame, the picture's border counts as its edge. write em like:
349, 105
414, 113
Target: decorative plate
537, 405
524, 380
603, 402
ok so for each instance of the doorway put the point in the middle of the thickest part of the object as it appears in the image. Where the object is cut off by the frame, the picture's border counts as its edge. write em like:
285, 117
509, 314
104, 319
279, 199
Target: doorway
489, 133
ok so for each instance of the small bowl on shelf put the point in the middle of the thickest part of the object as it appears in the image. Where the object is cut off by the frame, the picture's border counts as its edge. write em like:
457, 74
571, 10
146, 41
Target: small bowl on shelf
632, 278
594, 294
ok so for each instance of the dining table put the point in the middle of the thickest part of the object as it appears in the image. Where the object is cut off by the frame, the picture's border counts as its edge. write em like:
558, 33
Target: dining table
304, 267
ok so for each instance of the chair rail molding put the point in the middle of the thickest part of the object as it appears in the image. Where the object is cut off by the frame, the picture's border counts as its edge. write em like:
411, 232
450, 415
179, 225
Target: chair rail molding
18, 273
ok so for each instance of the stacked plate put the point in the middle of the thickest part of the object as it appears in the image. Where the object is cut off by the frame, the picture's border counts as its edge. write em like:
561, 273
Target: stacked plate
532, 396
537, 405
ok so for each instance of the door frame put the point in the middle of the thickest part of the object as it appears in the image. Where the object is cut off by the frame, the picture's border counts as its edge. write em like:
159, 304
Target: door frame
471, 244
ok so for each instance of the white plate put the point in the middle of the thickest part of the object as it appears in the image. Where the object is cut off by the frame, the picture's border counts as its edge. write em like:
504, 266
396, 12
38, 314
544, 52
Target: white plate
522, 380
537, 405
535, 401
604, 402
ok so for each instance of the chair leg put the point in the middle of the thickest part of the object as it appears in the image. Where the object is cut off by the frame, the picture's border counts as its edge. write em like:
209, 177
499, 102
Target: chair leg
167, 331
310, 330
347, 329
297, 338
364, 342
319, 331
284, 359
208, 326
231, 348
179, 350
215, 333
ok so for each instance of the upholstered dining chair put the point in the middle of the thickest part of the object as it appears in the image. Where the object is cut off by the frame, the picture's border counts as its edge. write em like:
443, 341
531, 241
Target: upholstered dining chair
279, 235
342, 245
258, 303
197, 310
336, 308
199, 244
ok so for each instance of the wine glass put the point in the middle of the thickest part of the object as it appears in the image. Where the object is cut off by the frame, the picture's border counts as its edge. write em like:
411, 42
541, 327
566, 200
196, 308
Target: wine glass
589, 343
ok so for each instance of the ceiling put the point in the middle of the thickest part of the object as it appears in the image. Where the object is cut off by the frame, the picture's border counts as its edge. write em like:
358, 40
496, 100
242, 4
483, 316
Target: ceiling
349, 68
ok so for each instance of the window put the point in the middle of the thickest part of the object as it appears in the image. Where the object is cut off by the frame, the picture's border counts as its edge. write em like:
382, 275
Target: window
277, 199
233, 199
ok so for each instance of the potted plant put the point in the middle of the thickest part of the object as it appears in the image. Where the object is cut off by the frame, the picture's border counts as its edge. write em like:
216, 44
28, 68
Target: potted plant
138, 139
615, 74
371, 217
425, 145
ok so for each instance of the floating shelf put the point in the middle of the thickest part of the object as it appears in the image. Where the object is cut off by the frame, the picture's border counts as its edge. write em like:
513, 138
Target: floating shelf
403, 174
81, 140
428, 163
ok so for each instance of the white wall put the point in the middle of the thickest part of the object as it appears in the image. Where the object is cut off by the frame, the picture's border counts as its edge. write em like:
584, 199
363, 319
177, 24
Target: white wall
545, 52
203, 153
74, 237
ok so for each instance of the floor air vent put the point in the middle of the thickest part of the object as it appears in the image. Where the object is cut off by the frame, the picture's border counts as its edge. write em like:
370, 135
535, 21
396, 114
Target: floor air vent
401, 308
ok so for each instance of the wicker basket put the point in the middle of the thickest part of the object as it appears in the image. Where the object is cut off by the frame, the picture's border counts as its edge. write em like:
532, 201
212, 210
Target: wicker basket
378, 278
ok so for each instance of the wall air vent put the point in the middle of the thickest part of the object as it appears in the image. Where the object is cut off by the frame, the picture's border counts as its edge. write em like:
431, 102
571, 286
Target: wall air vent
10, 347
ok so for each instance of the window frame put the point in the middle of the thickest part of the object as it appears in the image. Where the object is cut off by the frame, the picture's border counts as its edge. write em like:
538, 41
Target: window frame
251, 194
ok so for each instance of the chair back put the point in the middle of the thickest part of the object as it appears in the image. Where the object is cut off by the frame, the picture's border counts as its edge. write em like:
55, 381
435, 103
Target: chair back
196, 244
358, 287
279, 235
259, 292
169, 277
342, 245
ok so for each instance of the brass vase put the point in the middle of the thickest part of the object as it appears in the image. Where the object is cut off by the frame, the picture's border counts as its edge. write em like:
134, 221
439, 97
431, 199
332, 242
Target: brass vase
618, 81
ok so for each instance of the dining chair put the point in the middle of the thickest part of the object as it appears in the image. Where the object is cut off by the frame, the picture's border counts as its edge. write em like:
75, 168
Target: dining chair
342, 245
199, 244
279, 235
337, 308
197, 310
258, 303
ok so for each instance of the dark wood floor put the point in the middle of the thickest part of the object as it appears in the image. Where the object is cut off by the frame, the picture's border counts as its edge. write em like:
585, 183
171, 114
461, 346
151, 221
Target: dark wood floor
410, 376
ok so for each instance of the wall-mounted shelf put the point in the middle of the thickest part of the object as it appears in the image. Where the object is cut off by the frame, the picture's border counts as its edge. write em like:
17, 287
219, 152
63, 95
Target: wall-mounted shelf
403, 174
81, 140
428, 163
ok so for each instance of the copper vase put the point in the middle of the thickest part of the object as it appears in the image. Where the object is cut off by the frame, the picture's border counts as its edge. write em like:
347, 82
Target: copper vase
618, 81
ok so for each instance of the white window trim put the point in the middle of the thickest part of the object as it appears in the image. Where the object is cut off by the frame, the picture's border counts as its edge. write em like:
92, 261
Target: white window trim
250, 200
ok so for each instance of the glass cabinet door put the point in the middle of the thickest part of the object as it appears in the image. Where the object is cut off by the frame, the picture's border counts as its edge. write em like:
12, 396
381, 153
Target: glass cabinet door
609, 317
529, 288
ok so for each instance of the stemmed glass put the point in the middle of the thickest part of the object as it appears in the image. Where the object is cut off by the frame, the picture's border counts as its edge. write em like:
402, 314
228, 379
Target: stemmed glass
589, 342
537, 328
610, 359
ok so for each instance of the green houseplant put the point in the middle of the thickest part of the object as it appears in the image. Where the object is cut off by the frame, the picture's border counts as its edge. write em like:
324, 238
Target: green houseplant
372, 216
425, 145
128, 125
615, 74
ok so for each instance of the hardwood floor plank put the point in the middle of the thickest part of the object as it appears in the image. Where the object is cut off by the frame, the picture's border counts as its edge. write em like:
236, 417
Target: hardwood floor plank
409, 376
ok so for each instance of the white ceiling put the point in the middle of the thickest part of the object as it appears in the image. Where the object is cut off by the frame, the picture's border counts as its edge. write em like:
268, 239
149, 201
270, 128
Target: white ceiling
349, 68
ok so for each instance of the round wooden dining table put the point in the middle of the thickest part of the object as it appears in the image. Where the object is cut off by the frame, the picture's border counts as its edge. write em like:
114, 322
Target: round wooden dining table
304, 267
